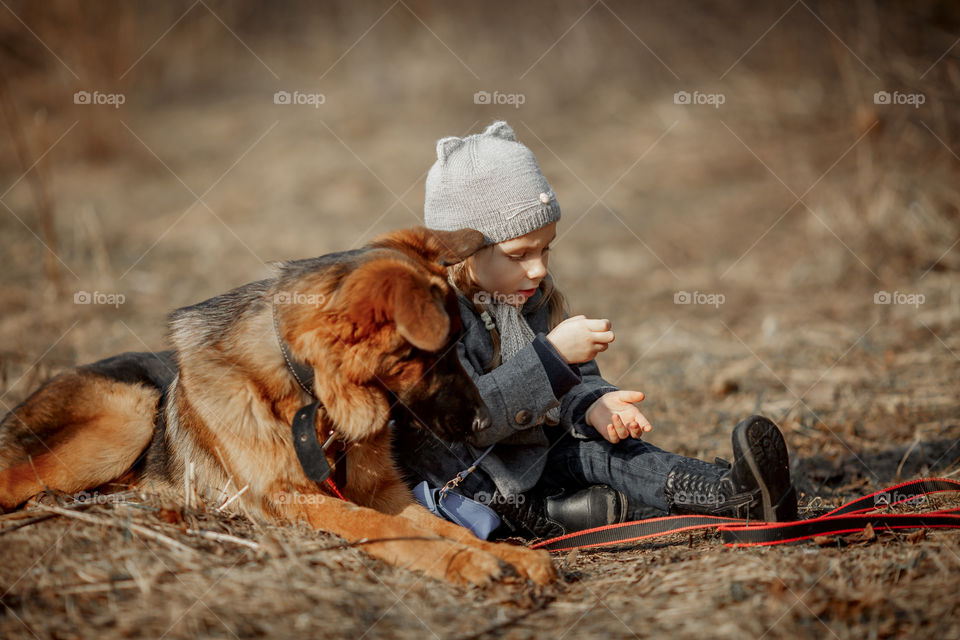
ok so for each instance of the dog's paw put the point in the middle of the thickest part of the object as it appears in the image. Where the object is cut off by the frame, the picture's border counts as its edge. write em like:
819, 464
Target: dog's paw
469, 565
534, 564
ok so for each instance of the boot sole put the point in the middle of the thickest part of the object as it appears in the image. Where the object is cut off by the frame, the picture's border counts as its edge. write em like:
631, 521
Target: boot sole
762, 447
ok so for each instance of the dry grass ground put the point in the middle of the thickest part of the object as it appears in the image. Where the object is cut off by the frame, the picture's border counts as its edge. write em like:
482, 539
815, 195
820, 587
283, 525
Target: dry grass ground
798, 199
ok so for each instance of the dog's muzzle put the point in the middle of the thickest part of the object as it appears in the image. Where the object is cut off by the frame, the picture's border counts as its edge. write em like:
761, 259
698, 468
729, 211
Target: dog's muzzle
482, 420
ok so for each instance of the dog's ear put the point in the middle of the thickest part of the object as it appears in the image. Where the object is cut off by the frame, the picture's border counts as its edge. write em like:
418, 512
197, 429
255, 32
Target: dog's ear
396, 290
451, 247
443, 247
419, 313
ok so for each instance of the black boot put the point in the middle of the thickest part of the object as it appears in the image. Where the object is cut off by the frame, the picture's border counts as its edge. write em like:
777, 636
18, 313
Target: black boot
594, 506
756, 486
533, 515
525, 516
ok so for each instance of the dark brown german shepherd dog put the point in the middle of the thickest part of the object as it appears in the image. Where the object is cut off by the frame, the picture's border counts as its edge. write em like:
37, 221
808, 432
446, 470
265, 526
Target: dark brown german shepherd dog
375, 327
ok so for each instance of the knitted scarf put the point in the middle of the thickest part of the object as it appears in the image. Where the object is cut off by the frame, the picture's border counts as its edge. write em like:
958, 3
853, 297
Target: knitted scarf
515, 334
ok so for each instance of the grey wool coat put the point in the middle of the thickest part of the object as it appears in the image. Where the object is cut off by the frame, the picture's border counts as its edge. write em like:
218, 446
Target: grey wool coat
519, 392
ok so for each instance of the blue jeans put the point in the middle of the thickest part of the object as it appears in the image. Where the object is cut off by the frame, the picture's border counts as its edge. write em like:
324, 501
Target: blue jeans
634, 467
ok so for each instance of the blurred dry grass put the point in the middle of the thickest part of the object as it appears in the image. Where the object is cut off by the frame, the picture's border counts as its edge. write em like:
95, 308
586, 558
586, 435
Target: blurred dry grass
798, 200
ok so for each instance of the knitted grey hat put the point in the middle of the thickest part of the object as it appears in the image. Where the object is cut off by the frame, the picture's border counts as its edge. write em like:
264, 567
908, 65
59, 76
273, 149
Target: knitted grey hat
488, 182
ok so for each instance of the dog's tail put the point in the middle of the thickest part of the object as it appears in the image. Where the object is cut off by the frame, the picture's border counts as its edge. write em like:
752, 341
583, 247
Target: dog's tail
85, 427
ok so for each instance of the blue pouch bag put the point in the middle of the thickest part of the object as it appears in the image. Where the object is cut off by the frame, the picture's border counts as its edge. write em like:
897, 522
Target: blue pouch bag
477, 517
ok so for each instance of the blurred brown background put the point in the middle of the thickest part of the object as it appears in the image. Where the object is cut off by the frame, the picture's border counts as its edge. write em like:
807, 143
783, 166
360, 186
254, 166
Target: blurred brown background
809, 183
797, 199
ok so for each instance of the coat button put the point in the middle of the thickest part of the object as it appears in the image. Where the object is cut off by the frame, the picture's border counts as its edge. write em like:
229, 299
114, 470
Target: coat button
523, 417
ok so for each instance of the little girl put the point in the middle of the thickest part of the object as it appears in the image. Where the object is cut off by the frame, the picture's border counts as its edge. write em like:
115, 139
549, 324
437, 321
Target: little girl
568, 453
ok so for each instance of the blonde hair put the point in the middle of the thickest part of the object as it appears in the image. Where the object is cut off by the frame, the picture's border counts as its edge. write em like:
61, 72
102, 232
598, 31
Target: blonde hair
459, 276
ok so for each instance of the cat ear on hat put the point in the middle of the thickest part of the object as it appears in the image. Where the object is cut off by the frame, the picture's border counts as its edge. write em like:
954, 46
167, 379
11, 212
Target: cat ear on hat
501, 129
446, 146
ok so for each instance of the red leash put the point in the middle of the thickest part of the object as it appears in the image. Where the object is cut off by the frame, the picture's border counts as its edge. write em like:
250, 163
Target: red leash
849, 518
335, 490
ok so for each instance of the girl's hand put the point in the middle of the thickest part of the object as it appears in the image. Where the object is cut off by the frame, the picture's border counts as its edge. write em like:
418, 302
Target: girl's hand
615, 417
579, 339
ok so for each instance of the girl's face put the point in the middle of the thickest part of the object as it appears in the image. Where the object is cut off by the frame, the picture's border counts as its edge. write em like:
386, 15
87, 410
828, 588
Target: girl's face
512, 270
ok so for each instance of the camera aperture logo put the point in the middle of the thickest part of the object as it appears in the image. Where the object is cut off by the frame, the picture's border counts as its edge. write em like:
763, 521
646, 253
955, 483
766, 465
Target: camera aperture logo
485, 97
299, 97
697, 97
897, 97
315, 300
898, 297
99, 297
698, 297
99, 98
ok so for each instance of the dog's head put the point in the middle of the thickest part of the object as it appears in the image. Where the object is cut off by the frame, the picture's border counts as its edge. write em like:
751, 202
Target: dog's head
380, 326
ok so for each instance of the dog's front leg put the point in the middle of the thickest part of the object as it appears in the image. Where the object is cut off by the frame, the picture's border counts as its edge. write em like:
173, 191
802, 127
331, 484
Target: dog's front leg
529, 563
398, 541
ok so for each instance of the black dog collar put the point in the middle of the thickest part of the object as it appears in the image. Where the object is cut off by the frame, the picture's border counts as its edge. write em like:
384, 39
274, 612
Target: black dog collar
310, 453
301, 371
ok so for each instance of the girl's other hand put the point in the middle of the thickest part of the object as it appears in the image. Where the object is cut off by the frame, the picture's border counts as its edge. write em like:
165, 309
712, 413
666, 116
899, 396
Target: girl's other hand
615, 417
579, 338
